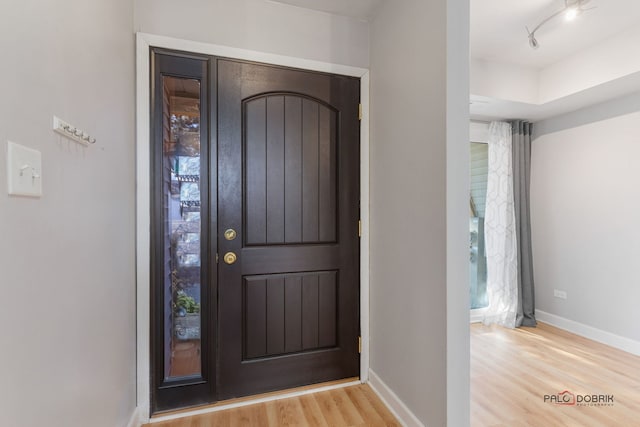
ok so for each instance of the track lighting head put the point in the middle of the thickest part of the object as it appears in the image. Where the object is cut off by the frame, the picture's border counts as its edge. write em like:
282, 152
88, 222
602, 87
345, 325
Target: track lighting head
533, 42
571, 10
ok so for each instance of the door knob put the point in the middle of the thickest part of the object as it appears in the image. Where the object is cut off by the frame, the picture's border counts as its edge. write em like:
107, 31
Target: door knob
230, 258
230, 234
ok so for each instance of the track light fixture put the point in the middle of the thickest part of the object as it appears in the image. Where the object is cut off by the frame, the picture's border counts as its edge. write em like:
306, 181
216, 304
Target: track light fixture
571, 10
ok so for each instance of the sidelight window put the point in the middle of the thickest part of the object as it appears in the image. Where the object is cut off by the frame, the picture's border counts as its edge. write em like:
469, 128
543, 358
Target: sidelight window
182, 226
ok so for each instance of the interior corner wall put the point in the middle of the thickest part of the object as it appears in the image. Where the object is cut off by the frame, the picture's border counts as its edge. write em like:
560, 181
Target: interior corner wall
259, 25
584, 216
67, 259
408, 225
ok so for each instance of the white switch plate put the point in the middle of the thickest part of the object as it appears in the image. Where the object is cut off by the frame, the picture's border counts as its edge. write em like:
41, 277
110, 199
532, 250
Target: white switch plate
24, 170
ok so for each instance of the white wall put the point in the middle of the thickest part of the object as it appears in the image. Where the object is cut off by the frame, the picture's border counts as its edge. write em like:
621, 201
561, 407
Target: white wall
608, 60
67, 259
259, 25
584, 216
458, 187
504, 81
478, 131
410, 103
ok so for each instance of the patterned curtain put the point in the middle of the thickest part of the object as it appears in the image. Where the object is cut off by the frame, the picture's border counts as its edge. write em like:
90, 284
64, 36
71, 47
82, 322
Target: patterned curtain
500, 230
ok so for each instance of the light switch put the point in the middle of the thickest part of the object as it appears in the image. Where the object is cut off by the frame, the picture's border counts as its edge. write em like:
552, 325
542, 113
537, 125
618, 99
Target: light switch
24, 170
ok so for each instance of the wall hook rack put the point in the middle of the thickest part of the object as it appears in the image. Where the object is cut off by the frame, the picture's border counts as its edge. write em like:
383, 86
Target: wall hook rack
72, 132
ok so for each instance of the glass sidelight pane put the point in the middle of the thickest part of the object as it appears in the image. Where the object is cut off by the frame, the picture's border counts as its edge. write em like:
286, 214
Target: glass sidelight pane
182, 227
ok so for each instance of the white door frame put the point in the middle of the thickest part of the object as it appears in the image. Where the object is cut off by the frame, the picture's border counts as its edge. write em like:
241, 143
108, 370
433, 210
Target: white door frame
143, 187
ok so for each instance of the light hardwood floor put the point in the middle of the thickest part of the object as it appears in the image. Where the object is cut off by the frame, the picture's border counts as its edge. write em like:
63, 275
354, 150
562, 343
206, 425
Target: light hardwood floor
349, 406
512, 370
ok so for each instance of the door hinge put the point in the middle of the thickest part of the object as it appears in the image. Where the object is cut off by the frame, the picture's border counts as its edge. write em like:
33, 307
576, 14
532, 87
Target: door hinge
359, 111
359, 228
359, 344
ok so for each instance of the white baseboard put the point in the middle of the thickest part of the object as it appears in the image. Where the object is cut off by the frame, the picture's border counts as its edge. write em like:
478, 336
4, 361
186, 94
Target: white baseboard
477, 314
604, 337
393, 402
136, 419
475, 318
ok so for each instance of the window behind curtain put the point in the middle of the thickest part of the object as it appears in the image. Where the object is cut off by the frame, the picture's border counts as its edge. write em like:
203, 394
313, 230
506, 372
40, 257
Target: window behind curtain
477, 199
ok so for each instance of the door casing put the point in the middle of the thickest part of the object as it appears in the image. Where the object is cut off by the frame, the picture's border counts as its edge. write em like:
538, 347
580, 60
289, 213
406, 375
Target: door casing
144, 42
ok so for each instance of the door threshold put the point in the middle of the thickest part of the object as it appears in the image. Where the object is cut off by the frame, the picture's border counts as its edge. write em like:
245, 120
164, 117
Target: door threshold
251, 400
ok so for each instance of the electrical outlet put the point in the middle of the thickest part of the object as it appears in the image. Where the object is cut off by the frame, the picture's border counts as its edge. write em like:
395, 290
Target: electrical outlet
559, 294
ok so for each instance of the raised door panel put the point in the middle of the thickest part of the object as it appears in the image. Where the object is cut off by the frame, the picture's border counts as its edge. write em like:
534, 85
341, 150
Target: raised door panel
290, 174
289, 313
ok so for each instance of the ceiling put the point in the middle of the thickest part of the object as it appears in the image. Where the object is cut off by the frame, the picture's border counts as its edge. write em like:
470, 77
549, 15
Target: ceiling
498, 26
498, 34
498, 29
360, 9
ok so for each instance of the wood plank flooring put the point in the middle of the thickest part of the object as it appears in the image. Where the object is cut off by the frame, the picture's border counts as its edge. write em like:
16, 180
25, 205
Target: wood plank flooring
349, 406
512, 371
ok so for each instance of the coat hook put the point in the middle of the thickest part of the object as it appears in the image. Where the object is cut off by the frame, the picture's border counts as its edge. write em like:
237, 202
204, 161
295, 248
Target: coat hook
72, 132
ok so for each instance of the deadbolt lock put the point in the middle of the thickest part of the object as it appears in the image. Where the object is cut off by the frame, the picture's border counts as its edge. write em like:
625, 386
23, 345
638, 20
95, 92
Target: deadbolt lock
230, 234
230, 258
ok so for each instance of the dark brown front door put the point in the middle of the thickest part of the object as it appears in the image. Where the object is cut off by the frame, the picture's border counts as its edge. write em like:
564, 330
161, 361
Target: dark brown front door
289, 185
255, 265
